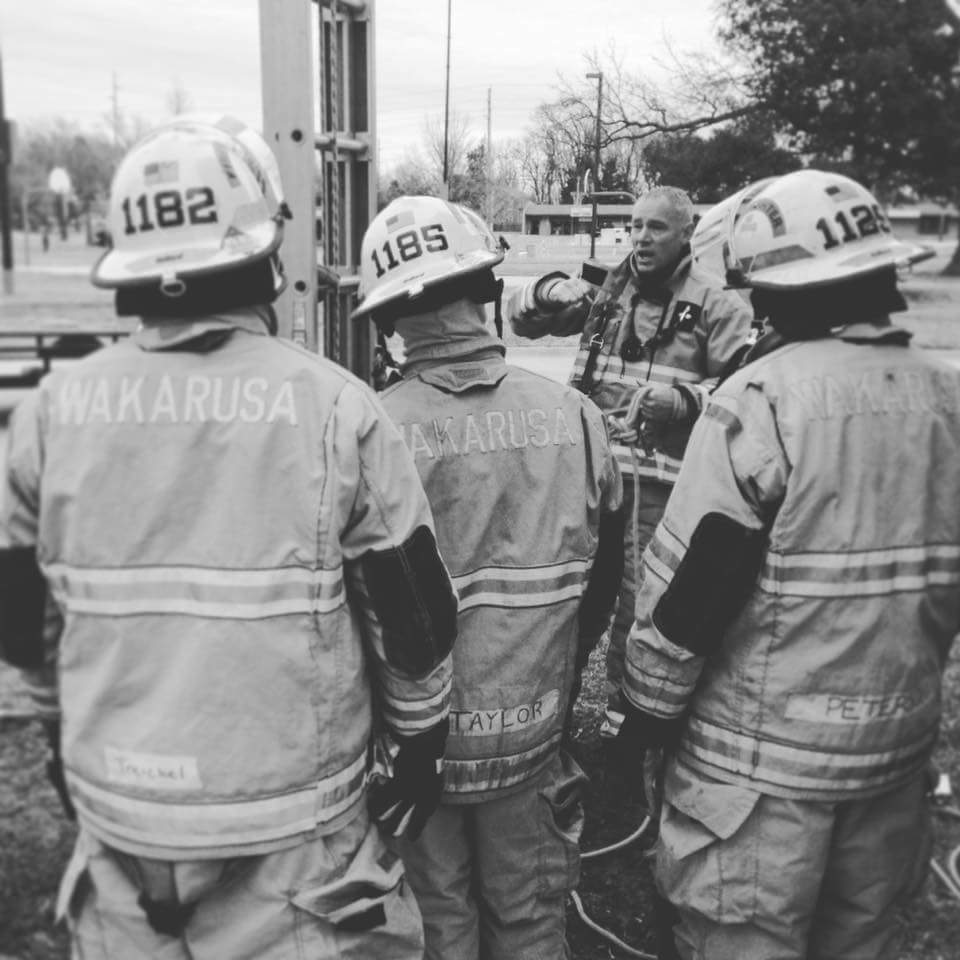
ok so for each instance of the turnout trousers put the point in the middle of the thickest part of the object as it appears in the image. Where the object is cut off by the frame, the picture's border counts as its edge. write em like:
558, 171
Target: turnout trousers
756, 877
643, 502
339, 896
492, 877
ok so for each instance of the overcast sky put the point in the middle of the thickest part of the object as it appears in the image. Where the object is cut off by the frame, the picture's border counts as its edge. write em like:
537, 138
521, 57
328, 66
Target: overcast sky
61, 58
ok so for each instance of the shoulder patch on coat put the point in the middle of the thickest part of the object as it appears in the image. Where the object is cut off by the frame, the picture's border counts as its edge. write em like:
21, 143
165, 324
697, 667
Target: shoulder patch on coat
685, 315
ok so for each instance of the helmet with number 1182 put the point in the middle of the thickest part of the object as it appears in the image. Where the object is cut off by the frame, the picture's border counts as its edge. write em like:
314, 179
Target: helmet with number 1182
197, 197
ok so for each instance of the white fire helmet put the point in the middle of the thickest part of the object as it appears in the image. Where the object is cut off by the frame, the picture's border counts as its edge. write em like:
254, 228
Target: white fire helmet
417, 242
710, 241
198, 195
811, 228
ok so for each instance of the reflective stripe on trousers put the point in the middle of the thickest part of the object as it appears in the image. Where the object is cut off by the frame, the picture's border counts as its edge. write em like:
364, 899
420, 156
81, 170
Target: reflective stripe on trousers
644, 503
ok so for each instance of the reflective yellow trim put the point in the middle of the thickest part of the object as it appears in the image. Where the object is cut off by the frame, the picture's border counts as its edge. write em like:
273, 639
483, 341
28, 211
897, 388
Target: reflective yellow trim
204, 824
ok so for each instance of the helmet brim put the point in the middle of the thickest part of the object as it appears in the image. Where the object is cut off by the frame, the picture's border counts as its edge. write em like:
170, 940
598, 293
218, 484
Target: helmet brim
411, 286
118, 269
841, 265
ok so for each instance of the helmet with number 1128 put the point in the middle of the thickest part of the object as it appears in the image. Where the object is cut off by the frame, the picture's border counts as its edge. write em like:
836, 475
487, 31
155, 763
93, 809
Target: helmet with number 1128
811, 229
414, 245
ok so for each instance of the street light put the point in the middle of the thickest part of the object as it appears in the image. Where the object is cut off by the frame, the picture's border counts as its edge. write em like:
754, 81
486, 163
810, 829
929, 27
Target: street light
596, 160
25, 214
59, 183
446, 115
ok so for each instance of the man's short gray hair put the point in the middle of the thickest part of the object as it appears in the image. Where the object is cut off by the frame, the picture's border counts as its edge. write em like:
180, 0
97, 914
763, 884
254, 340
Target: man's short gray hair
679, 199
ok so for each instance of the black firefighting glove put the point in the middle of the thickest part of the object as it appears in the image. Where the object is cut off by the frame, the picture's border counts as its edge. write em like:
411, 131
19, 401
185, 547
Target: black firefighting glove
54, 767
639, 749
403, 802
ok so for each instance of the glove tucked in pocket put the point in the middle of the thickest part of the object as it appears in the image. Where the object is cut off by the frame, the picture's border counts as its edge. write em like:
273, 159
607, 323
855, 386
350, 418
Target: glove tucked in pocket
370, 907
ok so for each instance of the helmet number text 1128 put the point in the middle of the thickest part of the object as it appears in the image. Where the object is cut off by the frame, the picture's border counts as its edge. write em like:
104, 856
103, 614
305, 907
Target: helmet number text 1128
408, 246
866, 223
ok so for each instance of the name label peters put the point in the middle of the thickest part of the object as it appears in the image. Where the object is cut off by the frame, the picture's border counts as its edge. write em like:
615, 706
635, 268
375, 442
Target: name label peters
853, 708
485, 723
487, 433
193, 399
155, 771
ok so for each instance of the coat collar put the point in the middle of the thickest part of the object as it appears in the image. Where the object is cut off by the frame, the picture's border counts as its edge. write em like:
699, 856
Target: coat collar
171, 333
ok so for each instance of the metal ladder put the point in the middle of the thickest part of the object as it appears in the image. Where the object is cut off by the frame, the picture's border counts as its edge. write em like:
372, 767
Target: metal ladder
326, 148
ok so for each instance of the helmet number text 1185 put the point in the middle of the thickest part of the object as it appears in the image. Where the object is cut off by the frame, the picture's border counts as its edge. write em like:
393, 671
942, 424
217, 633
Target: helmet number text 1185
409, 247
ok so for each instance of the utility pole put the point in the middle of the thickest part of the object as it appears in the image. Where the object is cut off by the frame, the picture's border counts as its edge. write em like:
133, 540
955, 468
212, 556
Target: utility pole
487, 194
446, 116
596, 161
5, 232
115, 109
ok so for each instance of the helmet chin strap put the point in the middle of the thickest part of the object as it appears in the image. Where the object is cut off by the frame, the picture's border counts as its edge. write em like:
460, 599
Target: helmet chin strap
271, 319
497, 309
489, 289
386, 370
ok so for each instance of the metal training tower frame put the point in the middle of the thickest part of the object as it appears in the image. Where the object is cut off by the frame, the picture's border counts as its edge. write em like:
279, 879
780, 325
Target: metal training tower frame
326, 148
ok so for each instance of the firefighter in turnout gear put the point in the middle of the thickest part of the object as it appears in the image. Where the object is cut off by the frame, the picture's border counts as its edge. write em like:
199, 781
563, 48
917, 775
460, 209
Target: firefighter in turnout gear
799, 600
525, 494
248, 589
653, 340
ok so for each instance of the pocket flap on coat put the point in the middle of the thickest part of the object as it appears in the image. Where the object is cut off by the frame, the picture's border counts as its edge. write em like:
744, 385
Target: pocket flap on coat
720, 807
352, 899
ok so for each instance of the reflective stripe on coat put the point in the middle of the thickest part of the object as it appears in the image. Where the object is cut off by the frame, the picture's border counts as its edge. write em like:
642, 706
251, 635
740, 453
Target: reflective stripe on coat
518, 471
199, 516
827, 684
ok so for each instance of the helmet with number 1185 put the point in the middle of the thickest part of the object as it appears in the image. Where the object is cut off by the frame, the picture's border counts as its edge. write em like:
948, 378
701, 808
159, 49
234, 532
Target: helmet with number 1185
417, 243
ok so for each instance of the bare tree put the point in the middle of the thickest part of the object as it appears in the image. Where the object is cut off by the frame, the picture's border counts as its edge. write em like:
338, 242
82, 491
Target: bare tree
421, 169
460, 141
179, 99
125, 129
411, 176
529, 166
703, 92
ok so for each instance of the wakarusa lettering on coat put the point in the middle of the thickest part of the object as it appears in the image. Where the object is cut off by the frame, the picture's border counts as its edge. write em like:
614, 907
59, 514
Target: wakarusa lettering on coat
193, 399
489, 432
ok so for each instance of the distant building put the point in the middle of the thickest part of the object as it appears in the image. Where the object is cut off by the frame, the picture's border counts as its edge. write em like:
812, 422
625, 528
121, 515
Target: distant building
932, 221
564, 219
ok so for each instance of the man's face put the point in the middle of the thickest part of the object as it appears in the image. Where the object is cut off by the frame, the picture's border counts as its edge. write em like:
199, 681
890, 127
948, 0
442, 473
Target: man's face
658, 234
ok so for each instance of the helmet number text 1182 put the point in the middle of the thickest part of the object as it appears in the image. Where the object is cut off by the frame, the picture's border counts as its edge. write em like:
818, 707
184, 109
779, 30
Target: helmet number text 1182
170, 209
